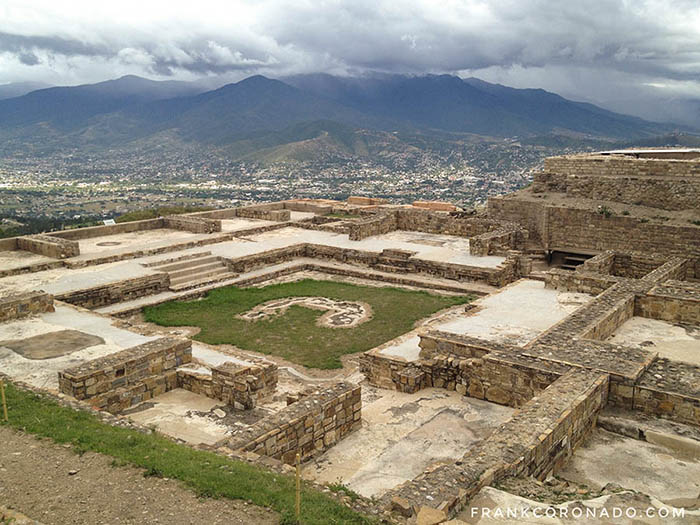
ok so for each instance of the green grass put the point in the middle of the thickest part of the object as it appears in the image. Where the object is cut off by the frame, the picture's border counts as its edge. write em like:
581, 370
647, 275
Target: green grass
295, 335
152, 213
343, 215
208, 474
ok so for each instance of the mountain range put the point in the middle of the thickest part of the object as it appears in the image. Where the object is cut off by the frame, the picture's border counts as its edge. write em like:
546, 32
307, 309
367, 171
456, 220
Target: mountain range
298, 117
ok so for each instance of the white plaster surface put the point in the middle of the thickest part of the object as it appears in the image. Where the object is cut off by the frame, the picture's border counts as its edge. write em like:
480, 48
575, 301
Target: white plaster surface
430, 247
240, 223
175, 414
404, 347
61, 280
679, 343
516, 314
138, 240
44, 373
21, 258
654, 470
401, 435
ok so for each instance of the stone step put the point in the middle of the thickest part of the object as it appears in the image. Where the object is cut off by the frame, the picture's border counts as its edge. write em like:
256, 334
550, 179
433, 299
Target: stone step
196, 270
576, 258
218, 270
389, 268
567, 266
190, 285
175, 259
188, 264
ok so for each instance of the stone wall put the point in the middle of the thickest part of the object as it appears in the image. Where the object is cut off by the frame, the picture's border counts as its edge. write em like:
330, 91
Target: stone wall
672, 301
366, 201
575, 228
309, 426
634, 266
529, 214
602, 263
435, 205
539, 438
243, 386
49, 246
569, 229
668, 193
118, 292
18, 306
588, 165
263, 212
670, 390
375, 225
497, 242
117, 381
101, 231
192, 224
578, 281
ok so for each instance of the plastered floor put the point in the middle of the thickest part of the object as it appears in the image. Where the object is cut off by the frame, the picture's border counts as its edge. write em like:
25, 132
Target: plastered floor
401, 435
44, 373
675, 342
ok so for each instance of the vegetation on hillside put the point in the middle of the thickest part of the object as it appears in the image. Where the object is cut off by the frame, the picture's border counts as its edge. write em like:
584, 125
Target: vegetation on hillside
152, 213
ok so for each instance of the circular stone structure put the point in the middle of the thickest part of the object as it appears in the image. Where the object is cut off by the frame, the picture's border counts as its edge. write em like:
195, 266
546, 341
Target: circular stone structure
108, 243
339, 314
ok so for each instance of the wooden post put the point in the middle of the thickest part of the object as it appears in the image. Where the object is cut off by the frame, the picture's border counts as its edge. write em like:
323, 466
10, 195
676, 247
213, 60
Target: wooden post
298, 496
4, 401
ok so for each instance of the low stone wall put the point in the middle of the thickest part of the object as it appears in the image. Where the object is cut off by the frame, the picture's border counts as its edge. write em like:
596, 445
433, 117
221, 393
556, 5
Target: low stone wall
634, 266
473, 367
18, 306
497, 242
375, 225
117, 292
578, 281
620, 310
507, 272
195, 381
244, 386
666, 184
670, 390
49, 246
101, 231
366, 201
539, 438
240, 385
309, 426
569, 229
192, 224
435, 205
602, 263
117, 381
673, 301
260, 212
391, 373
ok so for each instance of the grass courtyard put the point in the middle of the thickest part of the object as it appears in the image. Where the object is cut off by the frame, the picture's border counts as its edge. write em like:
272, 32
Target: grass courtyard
294, 335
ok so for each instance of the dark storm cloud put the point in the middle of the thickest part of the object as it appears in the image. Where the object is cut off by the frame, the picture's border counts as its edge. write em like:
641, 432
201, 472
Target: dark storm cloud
637, 40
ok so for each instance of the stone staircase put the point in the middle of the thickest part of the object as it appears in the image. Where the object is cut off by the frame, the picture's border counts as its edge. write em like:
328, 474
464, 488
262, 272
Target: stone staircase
195, 271
393, 261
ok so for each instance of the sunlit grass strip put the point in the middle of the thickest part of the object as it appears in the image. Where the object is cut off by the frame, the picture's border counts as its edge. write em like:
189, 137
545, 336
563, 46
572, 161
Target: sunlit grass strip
208, 474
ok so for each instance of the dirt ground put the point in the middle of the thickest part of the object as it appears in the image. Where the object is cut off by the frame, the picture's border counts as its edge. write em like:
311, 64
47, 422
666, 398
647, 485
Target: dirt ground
51, 484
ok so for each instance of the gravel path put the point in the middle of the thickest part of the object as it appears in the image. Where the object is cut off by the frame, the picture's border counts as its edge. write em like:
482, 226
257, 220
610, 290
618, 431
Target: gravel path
52, 484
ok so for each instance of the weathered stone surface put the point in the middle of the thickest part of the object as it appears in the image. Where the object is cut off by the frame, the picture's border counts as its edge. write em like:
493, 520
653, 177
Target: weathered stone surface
430, 516
18, 306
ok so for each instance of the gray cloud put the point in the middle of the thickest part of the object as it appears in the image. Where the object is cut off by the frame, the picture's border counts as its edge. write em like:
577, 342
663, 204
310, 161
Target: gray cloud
573, 47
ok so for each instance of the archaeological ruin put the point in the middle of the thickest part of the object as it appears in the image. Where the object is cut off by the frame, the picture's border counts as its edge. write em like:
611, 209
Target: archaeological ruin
573, 368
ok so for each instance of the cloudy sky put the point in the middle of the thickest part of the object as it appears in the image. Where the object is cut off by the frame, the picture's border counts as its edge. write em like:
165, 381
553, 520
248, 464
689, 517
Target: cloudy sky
614, 51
